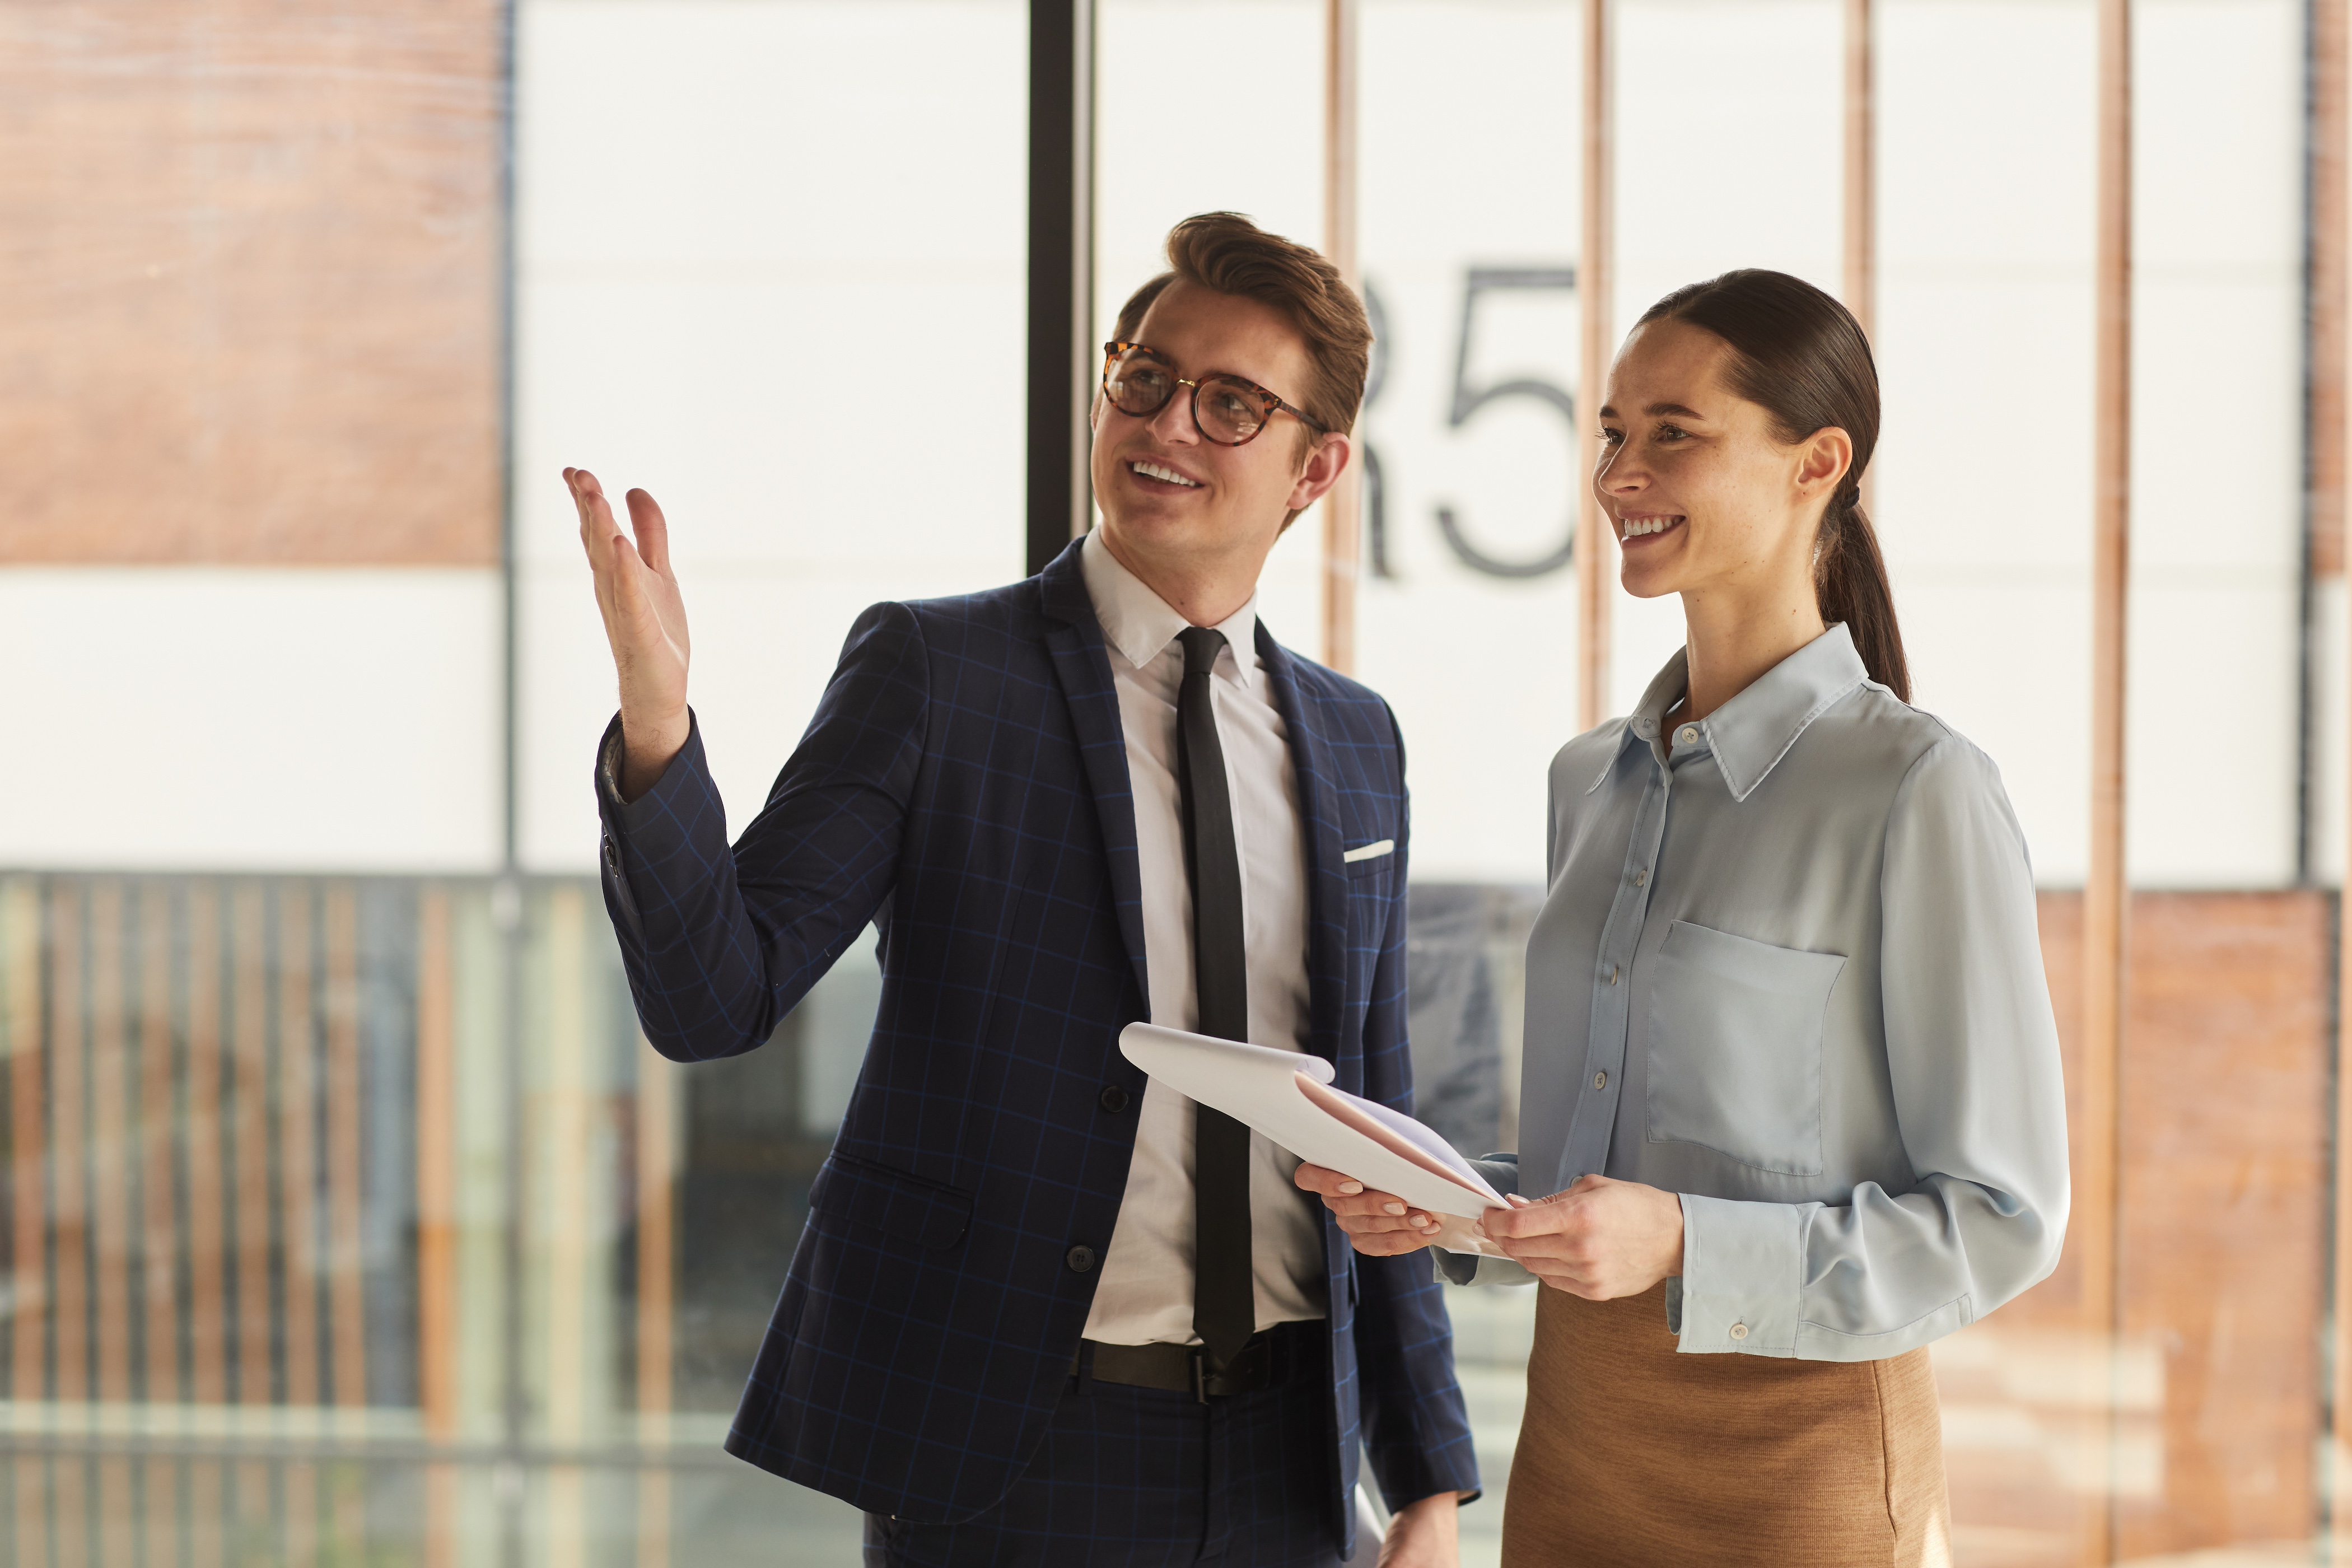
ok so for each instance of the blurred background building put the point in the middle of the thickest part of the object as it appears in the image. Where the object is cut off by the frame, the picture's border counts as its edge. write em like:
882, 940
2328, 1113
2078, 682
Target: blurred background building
346, 1216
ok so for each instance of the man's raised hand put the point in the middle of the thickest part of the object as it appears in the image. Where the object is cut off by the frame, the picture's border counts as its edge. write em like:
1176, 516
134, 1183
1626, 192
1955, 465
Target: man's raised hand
645, 621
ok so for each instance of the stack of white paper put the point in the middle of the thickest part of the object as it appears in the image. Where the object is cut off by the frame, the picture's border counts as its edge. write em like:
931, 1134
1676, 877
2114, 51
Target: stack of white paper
1288, 1097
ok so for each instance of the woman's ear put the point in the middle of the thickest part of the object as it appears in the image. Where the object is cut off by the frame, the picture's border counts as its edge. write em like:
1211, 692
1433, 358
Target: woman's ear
1824, 461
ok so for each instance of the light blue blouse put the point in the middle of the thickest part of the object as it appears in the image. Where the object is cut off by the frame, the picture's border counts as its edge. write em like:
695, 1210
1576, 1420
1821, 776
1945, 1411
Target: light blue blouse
1789, 969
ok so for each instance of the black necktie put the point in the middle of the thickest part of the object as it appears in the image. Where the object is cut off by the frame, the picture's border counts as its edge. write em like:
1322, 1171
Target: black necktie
1224, 1302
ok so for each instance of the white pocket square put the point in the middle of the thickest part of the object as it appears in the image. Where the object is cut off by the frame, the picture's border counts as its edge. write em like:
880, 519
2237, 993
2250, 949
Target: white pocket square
1371, 851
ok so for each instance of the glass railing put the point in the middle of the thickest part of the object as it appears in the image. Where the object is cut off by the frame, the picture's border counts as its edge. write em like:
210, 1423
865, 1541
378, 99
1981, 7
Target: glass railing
351, 1220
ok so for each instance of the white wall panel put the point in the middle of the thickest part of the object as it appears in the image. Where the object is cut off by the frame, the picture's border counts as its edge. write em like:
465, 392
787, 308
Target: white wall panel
2004, 658
1469, 162
1203, 105
2331, 779
1729, 142
2215, 767
1984, 354
745, 222
1984, 342
2216, 465
298, 720
771, 270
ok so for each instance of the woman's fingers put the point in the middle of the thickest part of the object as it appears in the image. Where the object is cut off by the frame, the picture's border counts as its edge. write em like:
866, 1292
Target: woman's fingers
1599, 1239
1325, 1182
1377, 1212
1360, 1213
1379, 1225
1566, 1211
1415, 1225
1549, 1217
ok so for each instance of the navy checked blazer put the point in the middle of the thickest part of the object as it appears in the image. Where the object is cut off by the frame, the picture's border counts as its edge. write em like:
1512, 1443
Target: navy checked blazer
964, 786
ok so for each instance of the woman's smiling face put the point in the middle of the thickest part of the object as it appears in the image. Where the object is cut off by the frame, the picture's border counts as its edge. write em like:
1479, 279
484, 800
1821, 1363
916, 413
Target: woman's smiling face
1701, 491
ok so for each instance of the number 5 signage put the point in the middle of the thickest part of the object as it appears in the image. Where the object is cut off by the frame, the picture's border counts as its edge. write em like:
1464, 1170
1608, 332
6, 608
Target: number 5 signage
1466, 402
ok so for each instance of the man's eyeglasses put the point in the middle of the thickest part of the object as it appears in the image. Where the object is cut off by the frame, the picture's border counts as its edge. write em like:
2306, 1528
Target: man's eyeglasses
1225, 409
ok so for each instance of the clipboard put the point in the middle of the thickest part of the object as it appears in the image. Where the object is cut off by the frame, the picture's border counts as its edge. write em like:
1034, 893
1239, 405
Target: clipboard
1288, 1097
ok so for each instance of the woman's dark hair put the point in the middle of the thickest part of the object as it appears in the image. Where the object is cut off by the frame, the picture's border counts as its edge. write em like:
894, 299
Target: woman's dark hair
1804, 357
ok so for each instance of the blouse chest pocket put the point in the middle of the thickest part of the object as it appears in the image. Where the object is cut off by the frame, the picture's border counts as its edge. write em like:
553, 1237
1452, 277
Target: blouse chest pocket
1736, 1047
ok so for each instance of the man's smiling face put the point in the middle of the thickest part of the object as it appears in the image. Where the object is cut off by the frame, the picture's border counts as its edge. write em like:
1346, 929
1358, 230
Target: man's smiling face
1170, 496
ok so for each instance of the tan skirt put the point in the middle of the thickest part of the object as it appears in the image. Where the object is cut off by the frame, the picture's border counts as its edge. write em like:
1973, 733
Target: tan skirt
1632, 1453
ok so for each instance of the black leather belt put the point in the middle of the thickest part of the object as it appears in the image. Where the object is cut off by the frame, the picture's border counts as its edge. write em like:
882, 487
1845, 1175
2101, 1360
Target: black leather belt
1271, 1358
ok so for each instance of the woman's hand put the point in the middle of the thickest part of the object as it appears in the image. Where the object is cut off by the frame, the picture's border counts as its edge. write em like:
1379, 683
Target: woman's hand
1380, 1225
1599, 1239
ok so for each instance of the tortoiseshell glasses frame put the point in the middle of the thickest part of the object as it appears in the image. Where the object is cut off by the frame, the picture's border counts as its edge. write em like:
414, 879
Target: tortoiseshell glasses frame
1135, 401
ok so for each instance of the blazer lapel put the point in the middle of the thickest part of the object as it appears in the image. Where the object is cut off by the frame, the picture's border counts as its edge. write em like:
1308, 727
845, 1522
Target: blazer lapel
1073, 637
1327, 878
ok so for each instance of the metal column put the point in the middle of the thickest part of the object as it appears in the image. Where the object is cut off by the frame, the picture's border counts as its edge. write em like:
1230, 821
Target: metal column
2105, 907
1596, 545
1060, 271
1343, 506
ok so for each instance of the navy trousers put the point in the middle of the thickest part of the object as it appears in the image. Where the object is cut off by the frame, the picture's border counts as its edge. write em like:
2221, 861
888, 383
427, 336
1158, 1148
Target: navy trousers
1142, 1478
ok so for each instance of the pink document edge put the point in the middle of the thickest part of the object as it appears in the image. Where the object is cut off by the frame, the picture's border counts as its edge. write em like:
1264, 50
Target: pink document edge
1328, 1100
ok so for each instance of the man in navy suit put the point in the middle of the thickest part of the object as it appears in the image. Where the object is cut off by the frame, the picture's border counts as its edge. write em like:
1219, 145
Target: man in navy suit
1045, 1312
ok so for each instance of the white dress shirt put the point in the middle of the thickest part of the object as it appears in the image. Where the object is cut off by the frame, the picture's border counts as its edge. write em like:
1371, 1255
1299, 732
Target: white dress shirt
1145, 1295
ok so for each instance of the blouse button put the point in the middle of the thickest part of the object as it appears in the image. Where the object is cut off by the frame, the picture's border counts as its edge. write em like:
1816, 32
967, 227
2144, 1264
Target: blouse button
1641, 878
1613, 975
1601, 1080
1685, 735
1738, 1331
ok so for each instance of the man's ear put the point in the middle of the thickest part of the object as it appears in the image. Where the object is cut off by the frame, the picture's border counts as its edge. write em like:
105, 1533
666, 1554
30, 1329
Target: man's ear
1326, 461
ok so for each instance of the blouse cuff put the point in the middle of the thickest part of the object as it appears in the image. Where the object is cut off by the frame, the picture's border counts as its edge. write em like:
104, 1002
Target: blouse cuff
1477, 1268
1743, 1271
1502, 1174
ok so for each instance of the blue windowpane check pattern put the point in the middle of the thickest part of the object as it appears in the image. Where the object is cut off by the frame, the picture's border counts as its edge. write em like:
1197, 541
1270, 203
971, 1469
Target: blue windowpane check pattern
963, 785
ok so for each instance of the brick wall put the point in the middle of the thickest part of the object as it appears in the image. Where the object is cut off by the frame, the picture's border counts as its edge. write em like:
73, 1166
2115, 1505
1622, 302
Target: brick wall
251, 267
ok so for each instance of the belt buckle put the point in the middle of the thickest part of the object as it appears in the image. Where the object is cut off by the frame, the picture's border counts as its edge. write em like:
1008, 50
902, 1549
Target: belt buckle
1200, 1360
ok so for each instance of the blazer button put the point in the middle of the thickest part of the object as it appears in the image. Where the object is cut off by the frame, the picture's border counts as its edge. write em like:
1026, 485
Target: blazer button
1115, 1099
1081, 1259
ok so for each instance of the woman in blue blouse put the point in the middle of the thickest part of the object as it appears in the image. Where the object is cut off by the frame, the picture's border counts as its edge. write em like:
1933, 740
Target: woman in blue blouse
1791, 1080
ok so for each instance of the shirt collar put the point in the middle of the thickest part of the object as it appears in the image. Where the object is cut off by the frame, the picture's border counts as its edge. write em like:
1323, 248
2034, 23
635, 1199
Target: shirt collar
1140, 623
1750, 734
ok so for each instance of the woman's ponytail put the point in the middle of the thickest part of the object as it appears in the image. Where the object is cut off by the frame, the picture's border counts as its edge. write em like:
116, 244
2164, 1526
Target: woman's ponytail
1850, 584
1803, 356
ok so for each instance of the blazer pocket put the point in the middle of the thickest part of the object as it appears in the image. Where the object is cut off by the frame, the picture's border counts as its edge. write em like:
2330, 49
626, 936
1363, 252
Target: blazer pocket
898, 1204
1736, 1047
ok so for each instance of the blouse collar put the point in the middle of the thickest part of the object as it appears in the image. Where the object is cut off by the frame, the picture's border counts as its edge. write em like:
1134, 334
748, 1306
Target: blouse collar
1748, 735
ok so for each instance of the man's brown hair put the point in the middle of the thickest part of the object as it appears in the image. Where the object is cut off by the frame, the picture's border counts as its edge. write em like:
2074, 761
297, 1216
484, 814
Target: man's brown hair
1228, 254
